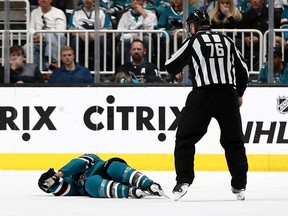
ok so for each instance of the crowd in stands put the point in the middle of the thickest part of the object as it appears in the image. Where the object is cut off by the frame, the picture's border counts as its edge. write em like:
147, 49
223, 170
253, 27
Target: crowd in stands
20, 71
138, 70
70, 71
146, 14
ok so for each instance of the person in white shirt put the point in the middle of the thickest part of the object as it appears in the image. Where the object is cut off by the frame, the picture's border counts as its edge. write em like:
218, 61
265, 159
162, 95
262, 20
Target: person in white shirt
84, 18
137, 18
46, 17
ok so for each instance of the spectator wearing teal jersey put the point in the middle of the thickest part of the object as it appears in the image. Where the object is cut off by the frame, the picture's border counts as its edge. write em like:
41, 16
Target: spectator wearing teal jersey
115, 5
114, 9
136, 18
157, 6
171, 21
172, 16
284, 21
245, 5
280, 73
84, 18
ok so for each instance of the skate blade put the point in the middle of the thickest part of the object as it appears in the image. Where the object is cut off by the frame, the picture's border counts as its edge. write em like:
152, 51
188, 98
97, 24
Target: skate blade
162, 194
178, 196
240, 196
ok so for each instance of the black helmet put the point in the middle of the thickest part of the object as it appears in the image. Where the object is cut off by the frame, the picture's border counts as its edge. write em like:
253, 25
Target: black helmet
199, 18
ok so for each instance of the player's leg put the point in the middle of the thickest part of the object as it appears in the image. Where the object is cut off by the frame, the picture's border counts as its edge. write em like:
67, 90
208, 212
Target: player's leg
121, 172
96, 186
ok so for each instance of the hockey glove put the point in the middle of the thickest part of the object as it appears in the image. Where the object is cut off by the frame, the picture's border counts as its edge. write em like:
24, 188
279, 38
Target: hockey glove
47, 180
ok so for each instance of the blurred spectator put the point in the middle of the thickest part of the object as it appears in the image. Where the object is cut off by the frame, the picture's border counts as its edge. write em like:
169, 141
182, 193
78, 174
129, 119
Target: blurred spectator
20, 71
280, 73
172, 17
225, 15
255, 18
70, 71
47, 17
245, 5
157, 6
136, 18
278, 10
33, 4
128, 5
114, 8
84, 18
284, 22
260, 8
60, 4
179, 78
200, 4
122, 78
171, 21
210, 4
195, 3
139, 69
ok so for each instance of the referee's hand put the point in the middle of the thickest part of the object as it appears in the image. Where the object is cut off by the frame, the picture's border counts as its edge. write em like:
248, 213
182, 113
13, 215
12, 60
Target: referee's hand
240, 99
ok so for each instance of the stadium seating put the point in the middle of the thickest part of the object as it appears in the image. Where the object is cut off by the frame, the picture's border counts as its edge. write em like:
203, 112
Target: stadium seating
19, 16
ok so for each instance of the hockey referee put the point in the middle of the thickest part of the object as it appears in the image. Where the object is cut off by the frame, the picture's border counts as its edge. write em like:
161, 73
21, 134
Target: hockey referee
219, 78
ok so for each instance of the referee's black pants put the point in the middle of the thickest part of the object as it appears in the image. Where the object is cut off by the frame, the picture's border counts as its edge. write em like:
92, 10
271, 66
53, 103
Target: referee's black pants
221, 103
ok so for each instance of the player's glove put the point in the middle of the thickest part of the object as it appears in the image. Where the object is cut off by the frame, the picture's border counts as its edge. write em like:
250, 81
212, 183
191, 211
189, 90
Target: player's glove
47, 180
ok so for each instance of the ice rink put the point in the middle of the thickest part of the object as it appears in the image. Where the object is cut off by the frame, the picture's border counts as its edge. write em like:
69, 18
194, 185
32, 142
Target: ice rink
267, 194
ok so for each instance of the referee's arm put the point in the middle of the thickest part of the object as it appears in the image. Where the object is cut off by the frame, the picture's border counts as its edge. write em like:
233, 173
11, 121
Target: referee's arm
241, 72
179, 59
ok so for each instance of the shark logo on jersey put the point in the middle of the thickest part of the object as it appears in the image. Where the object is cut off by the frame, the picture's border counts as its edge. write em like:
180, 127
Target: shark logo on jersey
282, 105
177, 24
87, 25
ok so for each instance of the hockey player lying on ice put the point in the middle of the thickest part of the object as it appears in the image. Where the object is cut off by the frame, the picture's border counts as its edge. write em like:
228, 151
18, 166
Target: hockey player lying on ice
88, 175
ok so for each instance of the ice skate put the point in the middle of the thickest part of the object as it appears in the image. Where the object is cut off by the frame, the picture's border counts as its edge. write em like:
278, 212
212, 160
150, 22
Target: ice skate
240, 193
137, 193
180, 190
155, 189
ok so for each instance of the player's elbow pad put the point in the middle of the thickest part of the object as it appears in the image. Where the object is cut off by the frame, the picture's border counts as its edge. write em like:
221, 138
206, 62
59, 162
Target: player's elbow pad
61, 189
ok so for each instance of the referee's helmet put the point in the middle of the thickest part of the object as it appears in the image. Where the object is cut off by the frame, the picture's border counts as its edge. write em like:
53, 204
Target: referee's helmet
198, 18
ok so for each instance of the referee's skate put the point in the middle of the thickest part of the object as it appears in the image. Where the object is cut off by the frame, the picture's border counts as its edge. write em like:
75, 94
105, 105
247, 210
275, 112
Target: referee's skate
240, 193
180, 190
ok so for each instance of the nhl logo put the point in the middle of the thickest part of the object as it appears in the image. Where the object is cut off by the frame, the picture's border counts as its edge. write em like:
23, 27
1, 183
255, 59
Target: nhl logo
282, 105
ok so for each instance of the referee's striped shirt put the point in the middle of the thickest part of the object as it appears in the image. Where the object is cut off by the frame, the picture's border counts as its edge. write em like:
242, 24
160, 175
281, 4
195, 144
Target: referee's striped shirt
213, 59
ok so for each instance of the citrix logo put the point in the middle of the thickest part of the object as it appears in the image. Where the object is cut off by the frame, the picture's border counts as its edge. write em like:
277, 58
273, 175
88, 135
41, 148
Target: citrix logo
144, 116
9, 114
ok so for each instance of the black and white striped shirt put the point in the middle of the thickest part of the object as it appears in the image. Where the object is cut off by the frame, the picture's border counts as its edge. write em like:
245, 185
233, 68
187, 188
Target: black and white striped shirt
213, 59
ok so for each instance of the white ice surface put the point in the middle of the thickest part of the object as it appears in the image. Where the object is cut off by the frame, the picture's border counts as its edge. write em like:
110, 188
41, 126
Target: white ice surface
209, 195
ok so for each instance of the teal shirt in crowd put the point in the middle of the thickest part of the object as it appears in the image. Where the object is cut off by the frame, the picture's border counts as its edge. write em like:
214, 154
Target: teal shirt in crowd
281, 77
170, 20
